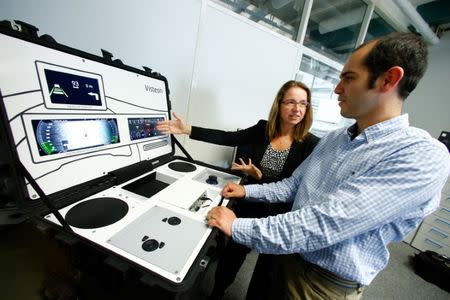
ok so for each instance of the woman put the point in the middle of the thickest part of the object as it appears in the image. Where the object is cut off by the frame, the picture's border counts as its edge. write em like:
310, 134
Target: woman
277, 147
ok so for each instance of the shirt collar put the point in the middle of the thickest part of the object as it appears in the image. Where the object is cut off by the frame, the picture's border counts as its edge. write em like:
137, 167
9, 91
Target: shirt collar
381, 129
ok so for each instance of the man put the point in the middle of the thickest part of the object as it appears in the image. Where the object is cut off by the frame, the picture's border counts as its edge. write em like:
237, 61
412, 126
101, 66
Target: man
362, 187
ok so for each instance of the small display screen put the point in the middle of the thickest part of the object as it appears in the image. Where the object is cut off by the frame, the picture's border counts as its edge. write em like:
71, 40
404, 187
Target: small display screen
65, 88
141, 128
65, 135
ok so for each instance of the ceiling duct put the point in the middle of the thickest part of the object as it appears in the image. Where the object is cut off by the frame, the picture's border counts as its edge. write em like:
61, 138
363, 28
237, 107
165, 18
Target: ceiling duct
277, 4
349, 18
417, 21
408, 10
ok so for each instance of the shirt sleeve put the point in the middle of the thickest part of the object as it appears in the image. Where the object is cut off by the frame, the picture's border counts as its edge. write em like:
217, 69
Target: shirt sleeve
280, 191
229, 138
401, 187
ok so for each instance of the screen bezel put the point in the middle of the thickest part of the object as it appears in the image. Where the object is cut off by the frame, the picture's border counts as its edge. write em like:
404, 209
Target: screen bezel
122, 125
34, 147
41, 66
147, 137
36, 122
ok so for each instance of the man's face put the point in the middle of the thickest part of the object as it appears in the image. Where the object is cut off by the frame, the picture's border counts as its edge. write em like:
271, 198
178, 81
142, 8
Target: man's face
356, 99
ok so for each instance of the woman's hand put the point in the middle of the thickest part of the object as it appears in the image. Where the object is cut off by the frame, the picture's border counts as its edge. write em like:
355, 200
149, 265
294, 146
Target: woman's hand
176, 126
249, 169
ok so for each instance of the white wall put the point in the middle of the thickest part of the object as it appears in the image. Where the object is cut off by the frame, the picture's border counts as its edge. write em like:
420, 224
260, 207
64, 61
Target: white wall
239, 69
429, 104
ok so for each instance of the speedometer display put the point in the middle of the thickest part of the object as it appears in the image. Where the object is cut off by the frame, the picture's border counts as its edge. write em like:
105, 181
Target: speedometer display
65, 135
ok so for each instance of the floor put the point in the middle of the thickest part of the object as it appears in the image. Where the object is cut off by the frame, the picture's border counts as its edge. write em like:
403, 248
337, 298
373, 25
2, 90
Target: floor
33, 263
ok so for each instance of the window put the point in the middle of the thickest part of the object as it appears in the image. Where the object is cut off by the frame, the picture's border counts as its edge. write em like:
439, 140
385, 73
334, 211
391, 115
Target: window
334, 26
322, 79
281, 16
377, 27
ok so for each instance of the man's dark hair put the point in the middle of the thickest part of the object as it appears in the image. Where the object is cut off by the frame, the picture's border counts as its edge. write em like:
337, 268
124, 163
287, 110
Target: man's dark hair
406, 50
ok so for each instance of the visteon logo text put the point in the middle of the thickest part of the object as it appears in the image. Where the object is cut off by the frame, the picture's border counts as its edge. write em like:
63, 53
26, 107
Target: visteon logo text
152, 89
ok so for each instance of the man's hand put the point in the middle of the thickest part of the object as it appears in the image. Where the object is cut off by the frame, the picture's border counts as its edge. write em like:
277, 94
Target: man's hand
233, 190
176, 126
221, 218
249, 169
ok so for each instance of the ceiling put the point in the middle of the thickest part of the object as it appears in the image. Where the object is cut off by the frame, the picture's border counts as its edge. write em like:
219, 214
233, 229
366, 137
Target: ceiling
286, 14
334, 25
436, 13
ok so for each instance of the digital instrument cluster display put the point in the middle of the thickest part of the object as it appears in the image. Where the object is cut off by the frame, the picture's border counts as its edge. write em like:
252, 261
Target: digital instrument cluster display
141, 128
65, 135
66, 88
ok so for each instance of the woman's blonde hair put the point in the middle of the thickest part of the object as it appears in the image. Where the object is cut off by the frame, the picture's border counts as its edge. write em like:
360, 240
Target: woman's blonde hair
301, 129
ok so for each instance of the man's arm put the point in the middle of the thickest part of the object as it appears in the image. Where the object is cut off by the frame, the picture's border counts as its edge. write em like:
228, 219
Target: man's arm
275, 192
283, 191
398, 189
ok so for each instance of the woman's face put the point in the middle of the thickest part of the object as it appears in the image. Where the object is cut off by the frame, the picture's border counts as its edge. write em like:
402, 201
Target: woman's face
293, 106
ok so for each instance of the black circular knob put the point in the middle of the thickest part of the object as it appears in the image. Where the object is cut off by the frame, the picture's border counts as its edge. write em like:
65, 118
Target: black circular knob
212, 179
174, 221
150, 245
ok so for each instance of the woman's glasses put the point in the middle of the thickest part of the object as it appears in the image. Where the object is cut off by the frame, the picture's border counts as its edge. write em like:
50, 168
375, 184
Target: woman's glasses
291, 103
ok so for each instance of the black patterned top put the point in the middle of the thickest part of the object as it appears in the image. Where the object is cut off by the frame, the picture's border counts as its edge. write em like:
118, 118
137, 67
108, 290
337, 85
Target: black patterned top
272, 162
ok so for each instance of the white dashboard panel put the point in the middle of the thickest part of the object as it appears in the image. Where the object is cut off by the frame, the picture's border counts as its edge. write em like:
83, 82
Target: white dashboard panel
184, 197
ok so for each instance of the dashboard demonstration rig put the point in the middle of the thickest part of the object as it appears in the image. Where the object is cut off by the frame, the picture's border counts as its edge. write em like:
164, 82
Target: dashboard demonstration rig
88, 160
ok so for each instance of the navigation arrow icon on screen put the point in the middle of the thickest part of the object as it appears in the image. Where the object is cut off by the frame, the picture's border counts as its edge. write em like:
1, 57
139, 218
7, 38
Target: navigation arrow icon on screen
93, 94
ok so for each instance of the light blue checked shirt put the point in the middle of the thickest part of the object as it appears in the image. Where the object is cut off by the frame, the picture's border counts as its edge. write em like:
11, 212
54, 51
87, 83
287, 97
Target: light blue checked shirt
352, 198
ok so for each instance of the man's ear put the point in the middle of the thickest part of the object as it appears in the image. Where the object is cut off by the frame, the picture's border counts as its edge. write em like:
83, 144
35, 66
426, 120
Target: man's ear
391, 78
